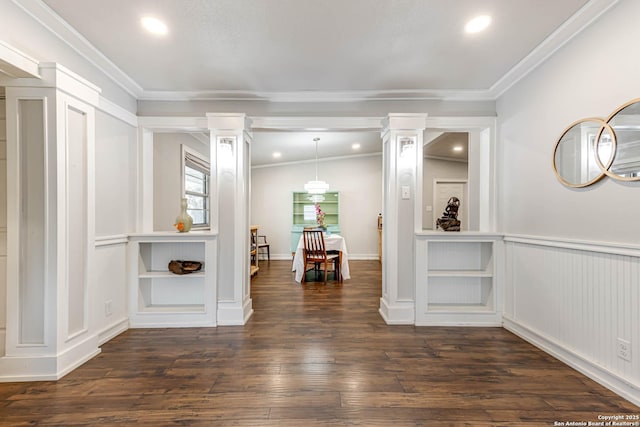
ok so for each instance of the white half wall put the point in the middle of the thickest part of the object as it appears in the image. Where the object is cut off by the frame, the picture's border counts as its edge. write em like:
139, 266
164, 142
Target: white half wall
359, 181
578, 301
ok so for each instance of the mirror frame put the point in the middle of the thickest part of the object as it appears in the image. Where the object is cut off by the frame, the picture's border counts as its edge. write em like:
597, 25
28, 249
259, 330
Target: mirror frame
603, 126
607, 168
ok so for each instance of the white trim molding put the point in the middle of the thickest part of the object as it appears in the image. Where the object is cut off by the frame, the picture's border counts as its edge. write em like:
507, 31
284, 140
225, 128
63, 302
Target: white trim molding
15, 64
65, 32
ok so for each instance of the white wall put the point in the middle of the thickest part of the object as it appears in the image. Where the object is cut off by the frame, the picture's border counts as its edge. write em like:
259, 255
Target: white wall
115, 199
436, 169
570, 86
566, 289
359, 181
3, 225
167, 176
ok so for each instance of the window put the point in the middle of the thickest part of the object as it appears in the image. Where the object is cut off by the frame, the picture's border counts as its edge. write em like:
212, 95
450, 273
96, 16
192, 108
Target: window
196, 187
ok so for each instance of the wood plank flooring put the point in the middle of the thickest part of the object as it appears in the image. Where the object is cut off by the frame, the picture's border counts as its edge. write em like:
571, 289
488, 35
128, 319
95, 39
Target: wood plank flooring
314, 355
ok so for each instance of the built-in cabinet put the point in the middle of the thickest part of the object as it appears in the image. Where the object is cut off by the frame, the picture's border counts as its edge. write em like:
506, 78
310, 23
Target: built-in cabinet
457, 279
160, 298
303, 208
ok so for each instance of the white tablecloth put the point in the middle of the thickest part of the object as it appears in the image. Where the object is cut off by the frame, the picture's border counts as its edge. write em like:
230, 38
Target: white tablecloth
333, 242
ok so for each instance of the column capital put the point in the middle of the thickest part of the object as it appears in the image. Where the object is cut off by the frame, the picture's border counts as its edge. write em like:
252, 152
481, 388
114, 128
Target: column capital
228, 121
405, 121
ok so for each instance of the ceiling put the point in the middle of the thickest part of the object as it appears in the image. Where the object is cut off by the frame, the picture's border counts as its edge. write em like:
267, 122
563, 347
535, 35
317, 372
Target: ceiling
327, 49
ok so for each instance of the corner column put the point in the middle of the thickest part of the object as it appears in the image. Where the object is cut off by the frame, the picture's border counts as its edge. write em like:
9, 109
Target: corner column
402, 216
51, 232
230, 206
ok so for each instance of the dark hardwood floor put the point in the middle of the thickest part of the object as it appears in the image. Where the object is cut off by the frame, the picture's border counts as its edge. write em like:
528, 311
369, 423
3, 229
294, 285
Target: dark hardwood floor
314, 355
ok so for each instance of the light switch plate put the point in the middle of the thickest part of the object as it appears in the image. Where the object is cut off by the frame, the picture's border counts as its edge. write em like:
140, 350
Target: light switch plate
406, 192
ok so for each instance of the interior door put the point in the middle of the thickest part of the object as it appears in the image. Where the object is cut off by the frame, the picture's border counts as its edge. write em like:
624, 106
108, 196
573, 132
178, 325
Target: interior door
443, 190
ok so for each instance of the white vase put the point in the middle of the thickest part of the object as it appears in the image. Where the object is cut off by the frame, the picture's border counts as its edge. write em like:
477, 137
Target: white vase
183, 221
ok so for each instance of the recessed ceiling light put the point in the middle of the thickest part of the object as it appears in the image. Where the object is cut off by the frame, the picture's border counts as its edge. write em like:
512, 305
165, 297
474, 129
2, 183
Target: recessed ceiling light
477, 24
457, 148
356, 146
154, 25
277, 155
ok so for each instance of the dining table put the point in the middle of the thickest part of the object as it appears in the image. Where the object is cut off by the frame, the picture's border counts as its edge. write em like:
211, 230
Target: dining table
332, 242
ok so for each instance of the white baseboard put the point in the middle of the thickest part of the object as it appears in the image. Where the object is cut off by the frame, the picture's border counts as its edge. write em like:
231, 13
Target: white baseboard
48, 368
580, 363
113, 330
484, 320
398, 314
232, 314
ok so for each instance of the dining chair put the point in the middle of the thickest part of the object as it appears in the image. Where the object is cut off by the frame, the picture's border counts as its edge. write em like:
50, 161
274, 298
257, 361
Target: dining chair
314, 252
262, 244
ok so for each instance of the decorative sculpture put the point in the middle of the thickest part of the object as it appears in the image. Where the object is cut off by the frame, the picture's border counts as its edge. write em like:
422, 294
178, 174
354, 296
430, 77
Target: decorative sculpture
449, 220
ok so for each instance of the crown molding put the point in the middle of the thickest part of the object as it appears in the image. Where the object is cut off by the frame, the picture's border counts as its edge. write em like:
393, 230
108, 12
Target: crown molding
319, 96
15, 64
573, 26
42, 13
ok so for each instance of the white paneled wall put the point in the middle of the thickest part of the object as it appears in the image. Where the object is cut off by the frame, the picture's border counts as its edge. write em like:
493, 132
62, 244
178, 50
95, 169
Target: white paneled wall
576, 300
115, 198
110, 287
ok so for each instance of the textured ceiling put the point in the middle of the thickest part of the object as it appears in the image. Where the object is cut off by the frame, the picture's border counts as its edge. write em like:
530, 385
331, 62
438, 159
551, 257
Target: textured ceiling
327, 49
315, 45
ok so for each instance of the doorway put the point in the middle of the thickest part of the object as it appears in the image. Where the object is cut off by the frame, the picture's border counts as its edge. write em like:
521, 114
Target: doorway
443, 190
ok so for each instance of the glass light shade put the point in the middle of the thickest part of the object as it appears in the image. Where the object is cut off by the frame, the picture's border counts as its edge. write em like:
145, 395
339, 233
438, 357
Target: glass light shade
316, 187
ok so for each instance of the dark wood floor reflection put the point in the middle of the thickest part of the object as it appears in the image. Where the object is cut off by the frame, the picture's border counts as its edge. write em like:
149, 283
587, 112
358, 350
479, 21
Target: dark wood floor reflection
314, 355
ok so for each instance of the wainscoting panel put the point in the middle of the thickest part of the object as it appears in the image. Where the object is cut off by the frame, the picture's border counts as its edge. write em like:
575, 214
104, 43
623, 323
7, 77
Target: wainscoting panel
580, 301
109, 302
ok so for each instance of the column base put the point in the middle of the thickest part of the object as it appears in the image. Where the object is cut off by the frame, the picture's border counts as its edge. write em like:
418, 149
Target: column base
400, 313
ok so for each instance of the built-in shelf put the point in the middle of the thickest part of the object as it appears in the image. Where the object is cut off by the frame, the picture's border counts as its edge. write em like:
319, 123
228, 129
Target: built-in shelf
456, 283
161, 298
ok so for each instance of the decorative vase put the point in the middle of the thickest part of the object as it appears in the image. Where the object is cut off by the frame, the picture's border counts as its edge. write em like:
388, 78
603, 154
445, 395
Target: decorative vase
184, 221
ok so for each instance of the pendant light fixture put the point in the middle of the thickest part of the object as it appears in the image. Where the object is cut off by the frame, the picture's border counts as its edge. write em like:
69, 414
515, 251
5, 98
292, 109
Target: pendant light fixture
316, 187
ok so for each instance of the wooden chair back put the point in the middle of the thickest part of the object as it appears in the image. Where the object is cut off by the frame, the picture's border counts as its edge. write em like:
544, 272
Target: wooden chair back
314, 247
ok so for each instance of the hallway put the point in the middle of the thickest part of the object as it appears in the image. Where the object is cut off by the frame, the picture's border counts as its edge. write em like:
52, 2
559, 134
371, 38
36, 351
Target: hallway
313, 355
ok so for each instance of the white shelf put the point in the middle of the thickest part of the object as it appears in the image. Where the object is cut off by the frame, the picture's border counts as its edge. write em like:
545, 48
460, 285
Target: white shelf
459, 273
173, 309
160, 298
459, 284
169, 275
462, 308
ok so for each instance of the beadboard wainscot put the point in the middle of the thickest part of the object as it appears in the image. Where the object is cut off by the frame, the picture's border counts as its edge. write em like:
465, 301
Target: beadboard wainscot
578, 301
458, 280
160, 298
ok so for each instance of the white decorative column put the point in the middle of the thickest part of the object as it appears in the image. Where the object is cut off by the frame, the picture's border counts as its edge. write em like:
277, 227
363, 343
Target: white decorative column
230, 210
402, 199
50, 224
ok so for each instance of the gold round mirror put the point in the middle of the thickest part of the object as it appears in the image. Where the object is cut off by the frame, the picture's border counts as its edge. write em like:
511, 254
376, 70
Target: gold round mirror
575, 161
625, 122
